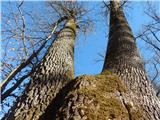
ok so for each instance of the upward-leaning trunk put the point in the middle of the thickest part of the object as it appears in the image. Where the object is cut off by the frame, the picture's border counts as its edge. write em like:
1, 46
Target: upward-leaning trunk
122, 57
129, 96
53, 72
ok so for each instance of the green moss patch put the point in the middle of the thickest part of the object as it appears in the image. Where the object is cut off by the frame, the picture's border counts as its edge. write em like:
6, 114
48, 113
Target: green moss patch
100, 90
100, 98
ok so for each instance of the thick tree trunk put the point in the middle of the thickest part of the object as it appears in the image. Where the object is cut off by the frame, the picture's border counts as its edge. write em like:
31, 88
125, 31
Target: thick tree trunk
53, 72
99, 97
123, 58
121, 92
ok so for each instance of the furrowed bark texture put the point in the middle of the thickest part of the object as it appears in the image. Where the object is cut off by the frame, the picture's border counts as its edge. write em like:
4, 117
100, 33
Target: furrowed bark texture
121, 92
123, 58
99, 97
52, 73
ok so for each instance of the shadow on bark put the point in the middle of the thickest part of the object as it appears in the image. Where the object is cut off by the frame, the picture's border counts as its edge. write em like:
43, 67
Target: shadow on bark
58, 101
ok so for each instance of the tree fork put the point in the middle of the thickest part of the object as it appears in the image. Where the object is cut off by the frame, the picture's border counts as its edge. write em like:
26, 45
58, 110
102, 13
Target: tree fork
128, 96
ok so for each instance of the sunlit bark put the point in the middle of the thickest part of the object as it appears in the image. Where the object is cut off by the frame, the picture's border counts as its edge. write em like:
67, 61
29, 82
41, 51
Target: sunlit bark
55, 69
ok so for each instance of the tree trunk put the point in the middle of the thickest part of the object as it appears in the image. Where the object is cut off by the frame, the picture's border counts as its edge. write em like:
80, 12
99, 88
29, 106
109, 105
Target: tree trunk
52, 73
99, 97
123, 58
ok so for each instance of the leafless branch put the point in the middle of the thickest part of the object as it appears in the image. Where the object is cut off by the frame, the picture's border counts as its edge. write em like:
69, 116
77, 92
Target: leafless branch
156, 74
8, 92
23, 29
24, 64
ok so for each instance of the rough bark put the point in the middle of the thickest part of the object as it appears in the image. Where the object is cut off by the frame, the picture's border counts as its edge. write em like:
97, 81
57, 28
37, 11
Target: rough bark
123, 58
121, 92
99, 97
52, 73
124, 93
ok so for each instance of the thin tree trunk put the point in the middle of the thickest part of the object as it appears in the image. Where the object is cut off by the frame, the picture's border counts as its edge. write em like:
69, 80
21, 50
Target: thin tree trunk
123, 58
50, 76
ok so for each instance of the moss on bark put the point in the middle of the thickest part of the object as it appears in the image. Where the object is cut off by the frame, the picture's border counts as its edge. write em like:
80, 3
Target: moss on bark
96, 98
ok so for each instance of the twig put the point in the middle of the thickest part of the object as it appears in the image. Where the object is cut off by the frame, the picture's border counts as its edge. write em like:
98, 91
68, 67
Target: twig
23, 30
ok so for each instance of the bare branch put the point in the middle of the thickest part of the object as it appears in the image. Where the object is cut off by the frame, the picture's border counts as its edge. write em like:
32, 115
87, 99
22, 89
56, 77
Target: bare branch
23, 29
24, 64
10, 90
151, 43
156, 74
154, 35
